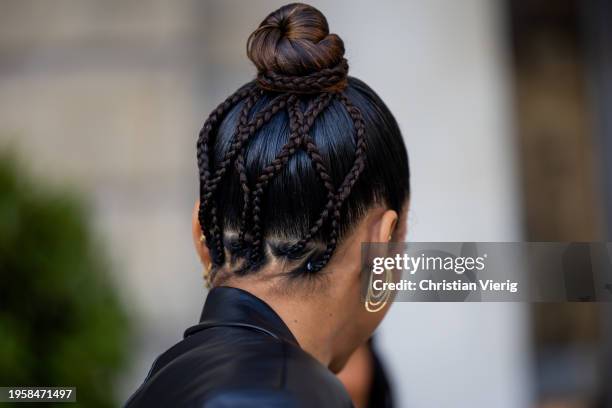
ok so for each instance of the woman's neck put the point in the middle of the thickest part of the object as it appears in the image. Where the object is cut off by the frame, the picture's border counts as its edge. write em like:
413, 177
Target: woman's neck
312, 318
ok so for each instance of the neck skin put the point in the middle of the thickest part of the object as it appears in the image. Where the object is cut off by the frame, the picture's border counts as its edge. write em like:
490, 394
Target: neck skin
320, 316
312, 325
315, 320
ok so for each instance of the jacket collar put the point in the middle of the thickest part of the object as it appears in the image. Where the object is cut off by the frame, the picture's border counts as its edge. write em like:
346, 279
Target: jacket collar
226, 306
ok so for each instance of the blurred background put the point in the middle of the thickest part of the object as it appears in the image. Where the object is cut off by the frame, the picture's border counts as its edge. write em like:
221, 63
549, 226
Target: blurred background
505, 109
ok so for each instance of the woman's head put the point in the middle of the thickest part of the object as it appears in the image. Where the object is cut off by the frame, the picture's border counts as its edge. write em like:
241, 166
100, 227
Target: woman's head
294, 162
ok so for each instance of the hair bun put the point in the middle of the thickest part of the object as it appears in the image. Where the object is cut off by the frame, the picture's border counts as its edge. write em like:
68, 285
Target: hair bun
294, 51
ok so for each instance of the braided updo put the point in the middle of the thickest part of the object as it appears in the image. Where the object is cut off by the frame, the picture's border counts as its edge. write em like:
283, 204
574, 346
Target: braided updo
294, 51
292, 160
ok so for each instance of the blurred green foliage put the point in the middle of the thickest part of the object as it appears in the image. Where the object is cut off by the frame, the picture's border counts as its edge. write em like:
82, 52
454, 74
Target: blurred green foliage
61, 323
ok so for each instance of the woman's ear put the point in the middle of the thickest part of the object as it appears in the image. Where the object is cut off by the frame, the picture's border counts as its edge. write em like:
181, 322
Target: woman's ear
388, 222
401, 226
196, 232
382, 225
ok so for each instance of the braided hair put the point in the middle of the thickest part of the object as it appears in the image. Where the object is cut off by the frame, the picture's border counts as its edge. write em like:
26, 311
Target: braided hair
294, 158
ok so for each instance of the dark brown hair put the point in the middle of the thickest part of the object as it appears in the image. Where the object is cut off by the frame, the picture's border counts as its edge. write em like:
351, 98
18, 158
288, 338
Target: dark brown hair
294, 42
292, 160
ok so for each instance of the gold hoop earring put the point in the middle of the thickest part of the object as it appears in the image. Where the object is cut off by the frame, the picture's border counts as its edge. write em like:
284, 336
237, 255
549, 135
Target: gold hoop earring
376, 301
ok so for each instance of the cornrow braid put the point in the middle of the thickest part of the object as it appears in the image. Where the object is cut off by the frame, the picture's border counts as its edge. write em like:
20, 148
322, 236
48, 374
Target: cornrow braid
315, 156
241, 135
295, 124
209, 181
311, 148
326, 80
259, 120
244, 185
246, 198
216, 230
203, 146
348, 183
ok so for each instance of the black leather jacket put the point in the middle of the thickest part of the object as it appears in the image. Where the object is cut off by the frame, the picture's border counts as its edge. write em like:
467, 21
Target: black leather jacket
240, 355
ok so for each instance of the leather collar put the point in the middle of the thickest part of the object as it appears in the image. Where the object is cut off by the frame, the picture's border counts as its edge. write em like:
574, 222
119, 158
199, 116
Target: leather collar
226, 306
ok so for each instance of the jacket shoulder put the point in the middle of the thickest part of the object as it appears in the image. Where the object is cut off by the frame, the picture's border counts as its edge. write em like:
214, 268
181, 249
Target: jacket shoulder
236, 368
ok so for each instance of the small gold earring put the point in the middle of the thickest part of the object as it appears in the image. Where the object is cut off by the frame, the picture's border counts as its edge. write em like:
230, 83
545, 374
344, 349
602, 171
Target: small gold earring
202, 239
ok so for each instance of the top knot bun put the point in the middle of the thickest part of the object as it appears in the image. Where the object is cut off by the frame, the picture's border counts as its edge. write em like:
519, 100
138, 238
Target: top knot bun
294, 51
